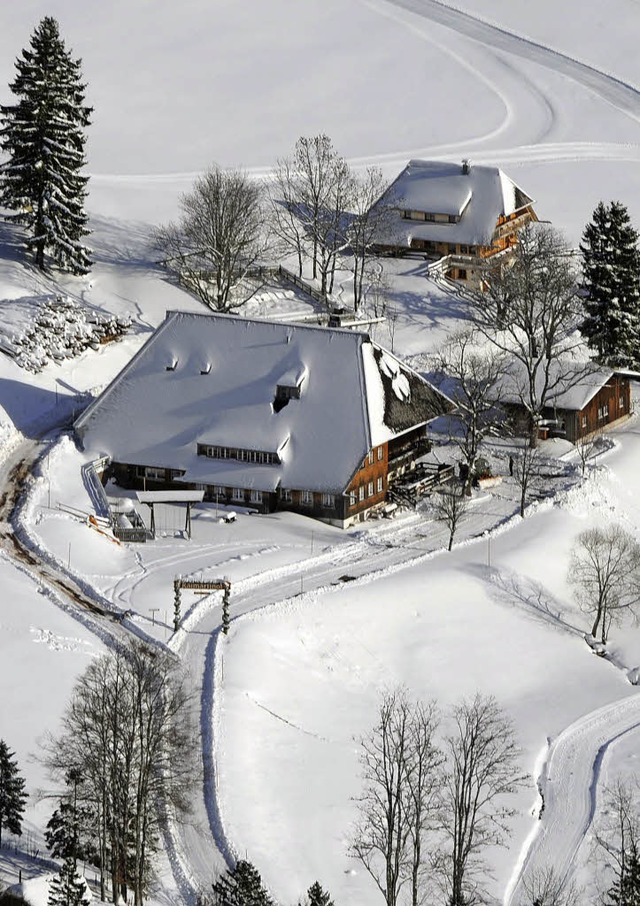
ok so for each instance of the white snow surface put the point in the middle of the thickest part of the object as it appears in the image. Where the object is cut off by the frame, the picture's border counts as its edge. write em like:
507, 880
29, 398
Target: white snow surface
549, 94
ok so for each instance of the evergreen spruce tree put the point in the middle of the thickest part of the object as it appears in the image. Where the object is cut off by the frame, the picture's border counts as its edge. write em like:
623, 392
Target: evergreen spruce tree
316, 896
68, 887
12, 795
611, 280
69, 832
43, 136
626, 890
241, 886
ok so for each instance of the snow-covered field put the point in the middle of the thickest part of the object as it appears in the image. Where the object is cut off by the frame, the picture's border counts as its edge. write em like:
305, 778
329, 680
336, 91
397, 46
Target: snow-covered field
547, 91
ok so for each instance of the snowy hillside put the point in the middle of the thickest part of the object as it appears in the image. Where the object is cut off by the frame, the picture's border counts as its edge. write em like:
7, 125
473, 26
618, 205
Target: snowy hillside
548, 92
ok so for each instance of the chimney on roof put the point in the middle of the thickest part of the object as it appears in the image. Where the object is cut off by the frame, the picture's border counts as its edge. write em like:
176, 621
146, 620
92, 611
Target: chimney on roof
466, 166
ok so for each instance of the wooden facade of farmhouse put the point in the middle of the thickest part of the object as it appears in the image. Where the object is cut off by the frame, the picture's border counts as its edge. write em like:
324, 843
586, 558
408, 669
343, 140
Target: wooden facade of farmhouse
367, 490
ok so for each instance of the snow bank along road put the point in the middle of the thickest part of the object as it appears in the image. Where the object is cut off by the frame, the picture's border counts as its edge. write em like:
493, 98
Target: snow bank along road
623, 96
568, 785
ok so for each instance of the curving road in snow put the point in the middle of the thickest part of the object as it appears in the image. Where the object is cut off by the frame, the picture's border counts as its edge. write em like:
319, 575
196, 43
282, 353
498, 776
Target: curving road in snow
568, 786
622, 95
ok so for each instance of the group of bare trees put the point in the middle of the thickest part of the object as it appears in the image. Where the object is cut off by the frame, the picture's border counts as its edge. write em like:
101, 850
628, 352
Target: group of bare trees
433, 803
128, 745
314, 209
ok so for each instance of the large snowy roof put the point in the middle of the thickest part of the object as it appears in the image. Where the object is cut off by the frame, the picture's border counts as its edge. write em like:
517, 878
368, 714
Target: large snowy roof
478, 195
212, 379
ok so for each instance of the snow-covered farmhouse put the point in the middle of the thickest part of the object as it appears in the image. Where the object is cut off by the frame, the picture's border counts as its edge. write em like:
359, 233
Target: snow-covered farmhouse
263, 415
461, 213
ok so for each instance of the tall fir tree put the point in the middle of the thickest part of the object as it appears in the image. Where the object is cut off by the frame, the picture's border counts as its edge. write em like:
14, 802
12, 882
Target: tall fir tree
241, 886
68, 887
611, 280
43, 136
12, 794
317, 896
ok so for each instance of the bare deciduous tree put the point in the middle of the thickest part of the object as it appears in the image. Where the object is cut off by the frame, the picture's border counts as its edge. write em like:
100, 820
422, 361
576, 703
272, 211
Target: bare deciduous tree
450, 507
401, 774
424, 777
220, 239
381, 835
586, 447
475, 371
482, 773
531, 311
288, 216
365, 225
605, 572
526, 469
128, 734
545, 887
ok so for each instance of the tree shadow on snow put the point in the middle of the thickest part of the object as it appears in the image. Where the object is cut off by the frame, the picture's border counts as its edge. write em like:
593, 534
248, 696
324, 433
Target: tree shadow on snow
428, 311
531, 597
122, 242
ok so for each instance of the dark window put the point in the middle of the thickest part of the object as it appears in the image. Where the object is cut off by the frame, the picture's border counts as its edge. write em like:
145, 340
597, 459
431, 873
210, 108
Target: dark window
284, 393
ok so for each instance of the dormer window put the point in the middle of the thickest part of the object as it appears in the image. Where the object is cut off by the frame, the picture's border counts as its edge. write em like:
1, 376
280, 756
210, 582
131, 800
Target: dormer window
289, 387
284, 392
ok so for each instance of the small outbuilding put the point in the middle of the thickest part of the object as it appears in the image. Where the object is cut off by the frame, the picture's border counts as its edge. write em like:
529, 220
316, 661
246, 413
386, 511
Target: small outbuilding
593, 399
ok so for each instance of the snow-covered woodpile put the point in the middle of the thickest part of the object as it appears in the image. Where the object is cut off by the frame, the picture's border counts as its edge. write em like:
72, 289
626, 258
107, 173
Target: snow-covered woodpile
40, 330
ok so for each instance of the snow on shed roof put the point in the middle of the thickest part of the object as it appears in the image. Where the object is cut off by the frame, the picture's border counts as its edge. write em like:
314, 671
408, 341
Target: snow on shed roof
574, 384
353, 395
477, 194
170, 496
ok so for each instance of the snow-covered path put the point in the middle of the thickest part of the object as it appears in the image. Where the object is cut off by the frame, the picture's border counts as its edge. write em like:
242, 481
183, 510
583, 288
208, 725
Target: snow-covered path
568, 786
622, 95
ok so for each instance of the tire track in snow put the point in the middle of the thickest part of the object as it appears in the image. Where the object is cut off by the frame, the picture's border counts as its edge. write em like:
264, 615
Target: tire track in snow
619, 94
568, 785
536, 111
549, 152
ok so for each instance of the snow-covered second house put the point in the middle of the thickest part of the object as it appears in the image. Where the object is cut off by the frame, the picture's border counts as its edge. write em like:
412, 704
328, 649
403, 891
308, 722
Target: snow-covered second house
264, 415
461, 215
